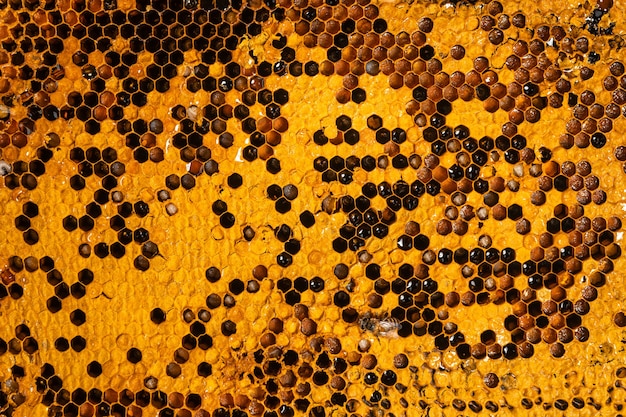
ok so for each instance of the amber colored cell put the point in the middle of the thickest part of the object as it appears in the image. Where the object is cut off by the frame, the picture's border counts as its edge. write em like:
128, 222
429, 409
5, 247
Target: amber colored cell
4, 85
310, 40
473, 78
523, 103
466, 92
387, 67
19, 139
364, 26
332, 27
302, 27
325, 40
273, 138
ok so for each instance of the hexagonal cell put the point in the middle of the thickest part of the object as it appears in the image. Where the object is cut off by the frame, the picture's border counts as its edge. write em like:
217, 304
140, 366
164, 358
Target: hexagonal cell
78, 317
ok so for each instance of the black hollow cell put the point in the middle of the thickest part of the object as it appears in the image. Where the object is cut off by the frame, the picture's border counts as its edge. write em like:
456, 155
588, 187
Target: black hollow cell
341, 299
438, 147
420, 94
531, 89
480, 157
311, 68
421, 242
483, 92
379, 26
427, 52
437, 120
383, 136
444, 107
514, 268
445, 256
518, 142
461, 255
598, 140
333, 54
445, 132
359, 95
511, 156
307, 219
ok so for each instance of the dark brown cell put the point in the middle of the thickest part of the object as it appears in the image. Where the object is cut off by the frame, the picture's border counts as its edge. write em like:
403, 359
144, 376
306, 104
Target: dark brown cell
504, 22
444, 227
619, 319
589, 293
527, 155
327, 67
520, 48
610, 83
589, 126
580, 112
536, 47
522, 226
468, 298
568, 168
583, 197
425, 24
592, 182
275, 325
599, 197
494, 8
532, 115
598, 224
478, 351
575, 238
342, 67
529, 61
616, 68
583, 224
494, 351
544, 183
459, 227
452, 299
308, 327
558, 293
620, 153
619, 96
400, 361
369, 361
491, 104
605, 125
513, 62
563, 86
300, 311
614, 223
582, 140
481, 64
583, 168
491, 380
374, 300
487, 23
396, 80
586, 73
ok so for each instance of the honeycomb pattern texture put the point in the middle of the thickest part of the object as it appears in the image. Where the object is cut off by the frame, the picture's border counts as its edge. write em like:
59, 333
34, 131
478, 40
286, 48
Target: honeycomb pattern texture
312, 207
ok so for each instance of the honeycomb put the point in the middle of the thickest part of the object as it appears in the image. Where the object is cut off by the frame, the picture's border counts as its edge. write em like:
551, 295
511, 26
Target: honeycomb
312, 207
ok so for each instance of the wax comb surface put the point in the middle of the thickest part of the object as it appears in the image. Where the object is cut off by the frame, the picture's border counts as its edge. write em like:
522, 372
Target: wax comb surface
311, 207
